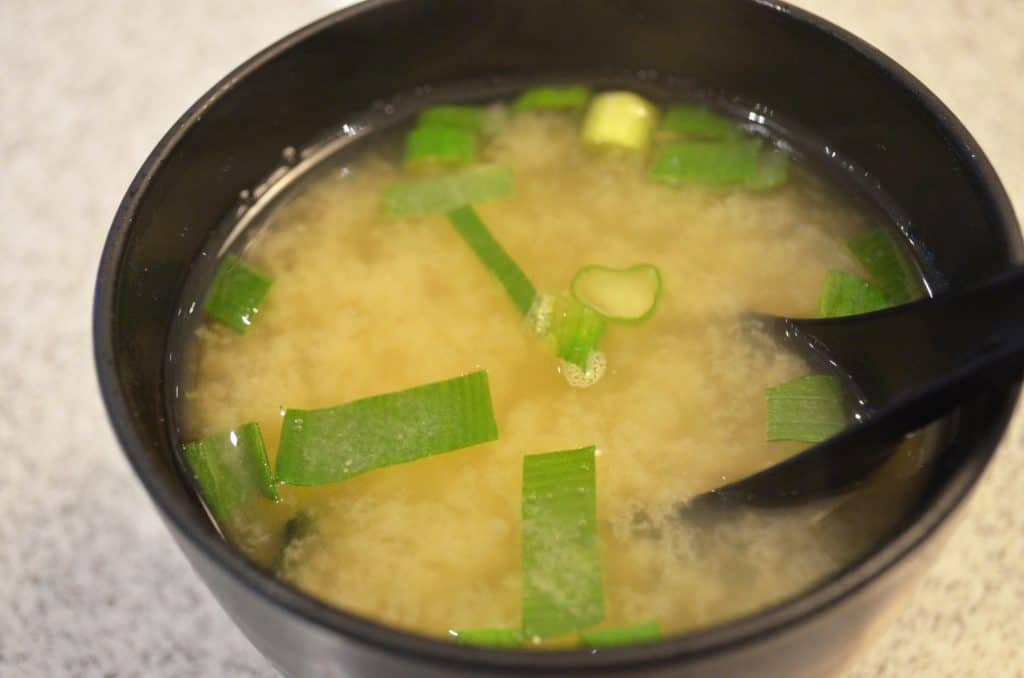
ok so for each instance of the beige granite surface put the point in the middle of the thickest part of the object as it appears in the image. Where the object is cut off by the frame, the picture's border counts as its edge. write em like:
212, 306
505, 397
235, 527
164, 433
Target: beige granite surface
90, 582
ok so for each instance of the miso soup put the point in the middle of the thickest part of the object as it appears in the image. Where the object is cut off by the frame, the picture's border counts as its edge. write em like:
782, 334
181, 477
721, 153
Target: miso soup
417, 320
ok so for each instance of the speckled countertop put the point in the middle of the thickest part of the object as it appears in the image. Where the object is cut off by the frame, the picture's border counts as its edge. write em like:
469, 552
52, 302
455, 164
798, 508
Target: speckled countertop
90, 582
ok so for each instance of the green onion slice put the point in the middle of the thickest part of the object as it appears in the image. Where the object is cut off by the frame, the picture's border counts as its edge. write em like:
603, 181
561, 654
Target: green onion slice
496, 637
721, 163
626, 295
446, 193
808, 409
621, 119
469, 118
574, 332
634, 634
235, 296
332, 444
439, 144
572, 98
880, 256
494, 257
692, 121
562, 583
732, 163
846, 294
231, 468
577, 329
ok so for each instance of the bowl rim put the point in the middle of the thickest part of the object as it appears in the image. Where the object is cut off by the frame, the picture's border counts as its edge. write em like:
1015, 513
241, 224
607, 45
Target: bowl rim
702, 643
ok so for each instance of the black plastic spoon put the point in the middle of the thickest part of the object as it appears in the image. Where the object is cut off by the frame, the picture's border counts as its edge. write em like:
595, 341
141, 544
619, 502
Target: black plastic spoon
913, 363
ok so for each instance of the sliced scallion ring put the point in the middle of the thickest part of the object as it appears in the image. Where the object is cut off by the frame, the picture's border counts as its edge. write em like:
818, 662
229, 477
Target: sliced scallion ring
624, 295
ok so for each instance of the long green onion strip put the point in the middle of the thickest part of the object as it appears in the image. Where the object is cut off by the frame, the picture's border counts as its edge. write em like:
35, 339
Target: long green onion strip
626, 295
880, 256
808, 409
741, 162
620, 119
847, 294
620, 636
470, 118
491, 637
235, 295
494, 257
441, 145
232, 468
700, 123
332, 444
438, 195
562, 582
571, 98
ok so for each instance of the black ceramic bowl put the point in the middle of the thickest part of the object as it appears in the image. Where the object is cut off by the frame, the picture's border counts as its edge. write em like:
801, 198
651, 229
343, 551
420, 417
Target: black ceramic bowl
792, 65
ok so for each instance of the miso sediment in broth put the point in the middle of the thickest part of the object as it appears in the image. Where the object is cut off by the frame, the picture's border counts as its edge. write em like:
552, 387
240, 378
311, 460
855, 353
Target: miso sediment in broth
364, 302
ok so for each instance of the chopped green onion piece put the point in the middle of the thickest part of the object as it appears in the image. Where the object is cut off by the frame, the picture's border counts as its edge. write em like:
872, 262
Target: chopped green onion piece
235, 296
444, 194
627, 295
562, 584
880, 256
707, 162
573, 98
577, 329
634, 634
494, 257
502, 638
439, 144
699, 122
470, 118
574, 331
772, 170
332, 444
740, 162
846, 294
619, 119
231, 468
808, 409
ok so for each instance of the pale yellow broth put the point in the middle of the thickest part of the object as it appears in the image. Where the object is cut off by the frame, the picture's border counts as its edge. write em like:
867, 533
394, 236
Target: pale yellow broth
363, 304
